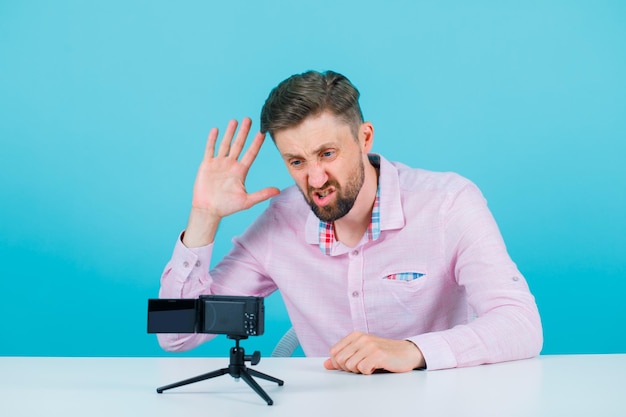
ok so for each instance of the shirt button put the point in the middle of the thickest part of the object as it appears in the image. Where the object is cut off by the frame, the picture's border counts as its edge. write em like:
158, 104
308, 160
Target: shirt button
355, 294
355, 252
198, 263
515, 279
186, 264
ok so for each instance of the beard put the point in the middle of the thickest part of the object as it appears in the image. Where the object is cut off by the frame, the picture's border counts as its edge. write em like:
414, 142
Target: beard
345, 196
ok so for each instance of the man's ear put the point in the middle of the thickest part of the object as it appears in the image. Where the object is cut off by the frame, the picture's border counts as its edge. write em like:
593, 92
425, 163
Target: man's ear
366, 136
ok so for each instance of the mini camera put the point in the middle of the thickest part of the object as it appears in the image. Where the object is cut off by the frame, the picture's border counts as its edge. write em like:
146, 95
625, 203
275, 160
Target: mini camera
240, 316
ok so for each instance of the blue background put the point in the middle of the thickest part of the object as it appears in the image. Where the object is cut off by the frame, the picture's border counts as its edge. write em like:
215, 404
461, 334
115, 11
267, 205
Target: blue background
105, 108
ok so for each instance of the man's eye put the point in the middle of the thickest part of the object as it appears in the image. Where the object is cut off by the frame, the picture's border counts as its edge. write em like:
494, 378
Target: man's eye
328, 154
295, 164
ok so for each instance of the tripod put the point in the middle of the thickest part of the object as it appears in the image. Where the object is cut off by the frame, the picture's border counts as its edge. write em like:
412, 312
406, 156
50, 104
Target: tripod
237, 369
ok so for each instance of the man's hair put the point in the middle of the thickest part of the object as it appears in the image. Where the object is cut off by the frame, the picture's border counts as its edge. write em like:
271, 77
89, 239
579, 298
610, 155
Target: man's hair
310, 94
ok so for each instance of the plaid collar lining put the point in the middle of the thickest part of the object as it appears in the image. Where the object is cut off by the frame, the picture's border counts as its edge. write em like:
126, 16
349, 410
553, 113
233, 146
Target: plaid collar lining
327, 230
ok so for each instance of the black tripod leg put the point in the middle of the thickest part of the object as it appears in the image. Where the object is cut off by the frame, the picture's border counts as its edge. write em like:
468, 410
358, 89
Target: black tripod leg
256, 387
202, 377
261, 375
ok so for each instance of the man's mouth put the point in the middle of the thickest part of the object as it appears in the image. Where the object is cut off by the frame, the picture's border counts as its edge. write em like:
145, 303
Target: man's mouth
322, 197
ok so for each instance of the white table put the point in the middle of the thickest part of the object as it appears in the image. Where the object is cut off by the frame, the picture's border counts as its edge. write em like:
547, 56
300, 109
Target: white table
569, 385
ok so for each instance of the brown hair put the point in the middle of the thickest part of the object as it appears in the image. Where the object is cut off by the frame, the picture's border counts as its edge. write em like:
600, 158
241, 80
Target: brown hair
309, 94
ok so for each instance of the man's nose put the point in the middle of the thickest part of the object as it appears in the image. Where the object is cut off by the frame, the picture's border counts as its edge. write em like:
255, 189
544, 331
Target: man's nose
317, 176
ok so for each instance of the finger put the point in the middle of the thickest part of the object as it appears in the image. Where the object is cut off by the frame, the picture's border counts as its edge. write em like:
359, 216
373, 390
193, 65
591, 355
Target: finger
209, 150
240, 139
357, 362
366, 366
345, 342
253, 149
342, 351
228, 137
261, 195
334, 364
345, 359
353, 353
328, 364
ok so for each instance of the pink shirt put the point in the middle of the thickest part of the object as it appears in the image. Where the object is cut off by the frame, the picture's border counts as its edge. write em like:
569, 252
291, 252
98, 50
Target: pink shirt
438, 274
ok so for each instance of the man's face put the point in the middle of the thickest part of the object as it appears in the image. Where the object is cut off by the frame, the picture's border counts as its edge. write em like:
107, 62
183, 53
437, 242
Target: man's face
326, 162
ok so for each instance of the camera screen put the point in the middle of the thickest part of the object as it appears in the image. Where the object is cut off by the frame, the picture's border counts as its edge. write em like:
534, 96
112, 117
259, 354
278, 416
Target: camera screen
171, 316
222, 317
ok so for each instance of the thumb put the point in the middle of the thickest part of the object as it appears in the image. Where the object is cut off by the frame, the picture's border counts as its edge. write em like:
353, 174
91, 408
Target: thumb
262, 195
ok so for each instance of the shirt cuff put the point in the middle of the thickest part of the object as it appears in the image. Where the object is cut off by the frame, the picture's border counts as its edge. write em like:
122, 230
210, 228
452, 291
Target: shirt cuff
190, 261
437, 352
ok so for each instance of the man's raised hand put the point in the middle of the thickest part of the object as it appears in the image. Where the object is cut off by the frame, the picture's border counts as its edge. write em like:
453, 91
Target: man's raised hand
220, 189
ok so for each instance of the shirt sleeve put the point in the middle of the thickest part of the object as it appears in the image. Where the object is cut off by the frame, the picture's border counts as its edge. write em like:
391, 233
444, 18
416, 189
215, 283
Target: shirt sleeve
186, 275
506, 324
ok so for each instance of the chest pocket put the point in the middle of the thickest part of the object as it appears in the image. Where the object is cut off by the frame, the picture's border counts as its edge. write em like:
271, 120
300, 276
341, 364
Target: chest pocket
402, 279
404, 276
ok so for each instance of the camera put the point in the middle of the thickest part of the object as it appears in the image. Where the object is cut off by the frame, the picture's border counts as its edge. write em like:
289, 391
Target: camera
239, 316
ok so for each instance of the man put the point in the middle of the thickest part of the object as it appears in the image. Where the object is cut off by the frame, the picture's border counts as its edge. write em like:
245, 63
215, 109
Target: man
380, 266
